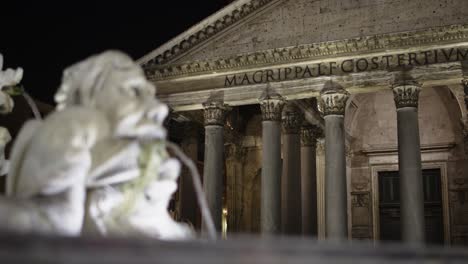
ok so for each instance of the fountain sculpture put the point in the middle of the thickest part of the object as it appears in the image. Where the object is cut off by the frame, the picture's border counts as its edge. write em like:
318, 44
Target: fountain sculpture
98, 164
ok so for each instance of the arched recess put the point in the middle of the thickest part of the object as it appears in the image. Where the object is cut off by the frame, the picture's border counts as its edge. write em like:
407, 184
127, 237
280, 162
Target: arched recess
371, 128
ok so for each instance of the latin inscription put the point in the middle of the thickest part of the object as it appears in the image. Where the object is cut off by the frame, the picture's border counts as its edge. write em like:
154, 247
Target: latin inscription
386, 62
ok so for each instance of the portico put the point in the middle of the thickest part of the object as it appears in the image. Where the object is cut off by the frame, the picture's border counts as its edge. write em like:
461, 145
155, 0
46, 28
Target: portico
277, 128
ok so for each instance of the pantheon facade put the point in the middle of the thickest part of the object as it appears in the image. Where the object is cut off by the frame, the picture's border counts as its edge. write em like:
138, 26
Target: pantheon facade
328, 118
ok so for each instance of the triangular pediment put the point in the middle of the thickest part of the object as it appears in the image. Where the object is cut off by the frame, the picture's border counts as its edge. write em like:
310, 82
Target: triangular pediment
248, 26
203, 32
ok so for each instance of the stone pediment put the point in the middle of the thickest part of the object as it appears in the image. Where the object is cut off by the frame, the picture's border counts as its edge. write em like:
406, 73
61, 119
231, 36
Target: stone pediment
356, 47
294, 47
250, 26
204, 31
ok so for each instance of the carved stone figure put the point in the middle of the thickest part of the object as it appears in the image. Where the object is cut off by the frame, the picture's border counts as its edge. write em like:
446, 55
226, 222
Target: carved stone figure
5, 137
8, 78
50, 161
107, 135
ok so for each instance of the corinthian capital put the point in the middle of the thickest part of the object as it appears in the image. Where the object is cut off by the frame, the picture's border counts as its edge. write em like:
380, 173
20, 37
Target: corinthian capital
406, 94
309, 135
271, 108
215, 113
333, 99
291, 119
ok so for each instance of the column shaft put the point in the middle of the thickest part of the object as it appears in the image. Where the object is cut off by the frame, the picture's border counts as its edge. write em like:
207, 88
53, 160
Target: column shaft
271, 177
309, 181
406, 95
334, 98
335, 178
411, 182
213, 171
215, 115
271, 164
291, 216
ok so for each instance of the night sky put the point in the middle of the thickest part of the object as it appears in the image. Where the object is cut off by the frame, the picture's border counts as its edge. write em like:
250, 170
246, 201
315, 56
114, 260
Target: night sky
45, 37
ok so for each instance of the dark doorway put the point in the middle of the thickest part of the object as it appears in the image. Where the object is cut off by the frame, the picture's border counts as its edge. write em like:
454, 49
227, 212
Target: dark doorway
389, 201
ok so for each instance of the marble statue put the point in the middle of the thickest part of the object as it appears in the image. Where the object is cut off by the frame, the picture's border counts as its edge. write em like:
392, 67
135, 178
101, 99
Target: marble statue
8, 78
5, 137
98, 164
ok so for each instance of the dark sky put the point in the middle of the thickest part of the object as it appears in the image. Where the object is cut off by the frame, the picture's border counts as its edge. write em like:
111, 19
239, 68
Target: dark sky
44, 37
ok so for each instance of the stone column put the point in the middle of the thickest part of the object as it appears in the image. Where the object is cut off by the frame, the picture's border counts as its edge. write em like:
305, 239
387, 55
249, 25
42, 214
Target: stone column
465, 89
464, 83
188, 206
309, 135
271, 165
291, 216
321, 222
333, 100
215, 114
409, 160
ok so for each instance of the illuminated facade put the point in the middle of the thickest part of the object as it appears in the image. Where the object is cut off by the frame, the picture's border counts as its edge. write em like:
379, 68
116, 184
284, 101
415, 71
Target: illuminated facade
336, 118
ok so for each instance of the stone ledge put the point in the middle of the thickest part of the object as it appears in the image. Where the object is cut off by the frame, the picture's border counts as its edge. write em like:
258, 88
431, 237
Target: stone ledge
315, 51
386, 150
34, 249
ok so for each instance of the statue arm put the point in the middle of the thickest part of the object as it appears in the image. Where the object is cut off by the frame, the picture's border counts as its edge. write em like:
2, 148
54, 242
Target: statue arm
17, 155
57, 155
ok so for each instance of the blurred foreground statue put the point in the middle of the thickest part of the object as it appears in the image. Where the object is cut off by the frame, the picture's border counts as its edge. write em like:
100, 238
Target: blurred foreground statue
97, 164
8, 78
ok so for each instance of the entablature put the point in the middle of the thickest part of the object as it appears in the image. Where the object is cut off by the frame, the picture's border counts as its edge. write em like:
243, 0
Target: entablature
361, 65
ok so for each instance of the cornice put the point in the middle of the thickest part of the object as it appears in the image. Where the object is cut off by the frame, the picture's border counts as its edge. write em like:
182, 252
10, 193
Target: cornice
361, 45
201, 32
387, 150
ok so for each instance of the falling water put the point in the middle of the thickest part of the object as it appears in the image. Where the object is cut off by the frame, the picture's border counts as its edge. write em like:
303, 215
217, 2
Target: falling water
32, 105
205, 211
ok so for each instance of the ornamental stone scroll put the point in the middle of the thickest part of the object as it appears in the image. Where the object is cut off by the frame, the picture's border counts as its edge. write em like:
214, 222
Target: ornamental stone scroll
333, 98
215, 113
406, 94
310, 134
291, 118
272, 107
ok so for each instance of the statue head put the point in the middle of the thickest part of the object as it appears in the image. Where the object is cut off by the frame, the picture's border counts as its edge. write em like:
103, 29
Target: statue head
110, 82
101, 79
